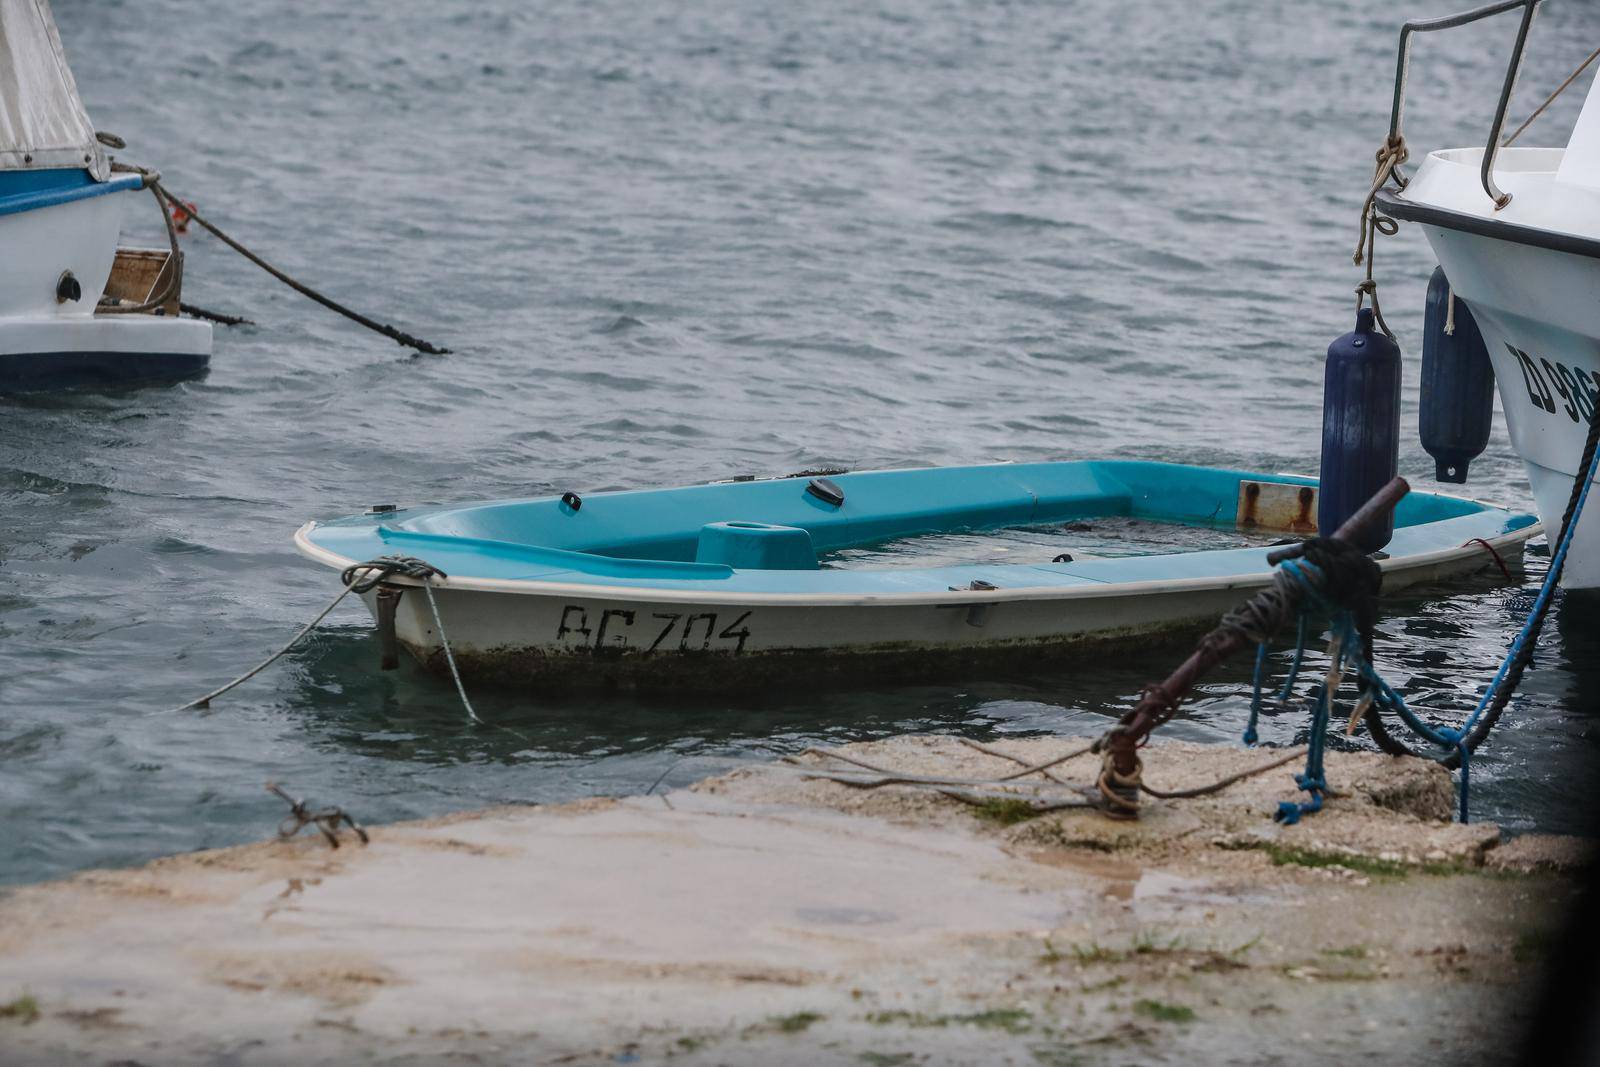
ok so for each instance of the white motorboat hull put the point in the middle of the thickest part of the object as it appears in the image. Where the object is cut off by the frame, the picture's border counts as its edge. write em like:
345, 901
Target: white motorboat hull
1534, 293
1539, 313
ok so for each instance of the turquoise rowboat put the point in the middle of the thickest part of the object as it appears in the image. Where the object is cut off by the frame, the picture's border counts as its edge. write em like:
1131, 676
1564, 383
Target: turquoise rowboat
872, 575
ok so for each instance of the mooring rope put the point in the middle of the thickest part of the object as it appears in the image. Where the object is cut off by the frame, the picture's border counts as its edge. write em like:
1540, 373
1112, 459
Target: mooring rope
1352, 612
1459, 743
152, 181
981, 791
1493, 554
1029, 768
449, 656
362, 578
215, 316
1162, 794
1346, 586
876, 780
384, 566
398, 336
205, 701
1389, 157
976, 793
175, 261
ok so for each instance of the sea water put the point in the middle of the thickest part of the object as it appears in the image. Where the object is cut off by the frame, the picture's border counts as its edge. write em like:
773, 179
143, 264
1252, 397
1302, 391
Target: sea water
676, 243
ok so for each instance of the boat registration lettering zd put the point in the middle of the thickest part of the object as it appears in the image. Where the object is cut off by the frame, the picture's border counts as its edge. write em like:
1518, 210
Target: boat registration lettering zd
1579, 395
619, 629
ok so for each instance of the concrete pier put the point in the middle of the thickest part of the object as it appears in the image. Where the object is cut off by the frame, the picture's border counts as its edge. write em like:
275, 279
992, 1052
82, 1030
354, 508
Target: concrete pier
769, 918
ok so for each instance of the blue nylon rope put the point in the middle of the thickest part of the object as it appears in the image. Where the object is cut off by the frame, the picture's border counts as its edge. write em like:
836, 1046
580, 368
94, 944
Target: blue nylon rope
1385, 697
1299, 657
1546, 591
1250, 735
1314, 781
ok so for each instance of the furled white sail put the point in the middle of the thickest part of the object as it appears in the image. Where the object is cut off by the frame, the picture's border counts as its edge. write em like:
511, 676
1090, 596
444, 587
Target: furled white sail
42, 120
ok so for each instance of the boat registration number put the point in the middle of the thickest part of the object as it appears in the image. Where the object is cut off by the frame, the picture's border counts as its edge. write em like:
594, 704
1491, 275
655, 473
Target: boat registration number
1554, 387
623, 629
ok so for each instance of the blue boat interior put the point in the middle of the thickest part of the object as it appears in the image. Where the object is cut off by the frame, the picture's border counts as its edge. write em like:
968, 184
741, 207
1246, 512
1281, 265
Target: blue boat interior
766, 536
29, 190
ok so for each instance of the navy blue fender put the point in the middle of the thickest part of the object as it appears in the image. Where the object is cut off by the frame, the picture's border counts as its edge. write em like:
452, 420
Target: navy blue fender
1360, 426
1457, 385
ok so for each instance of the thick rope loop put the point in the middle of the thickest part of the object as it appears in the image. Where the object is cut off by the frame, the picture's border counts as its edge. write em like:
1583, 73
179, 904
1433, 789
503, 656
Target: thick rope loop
1119, 793
174, 286
383, 568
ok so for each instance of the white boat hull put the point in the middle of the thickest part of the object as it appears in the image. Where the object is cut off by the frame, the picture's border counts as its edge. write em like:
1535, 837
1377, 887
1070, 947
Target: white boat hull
1529, 270
50, 343
37, 246
100, 351
549, 634
1539, 313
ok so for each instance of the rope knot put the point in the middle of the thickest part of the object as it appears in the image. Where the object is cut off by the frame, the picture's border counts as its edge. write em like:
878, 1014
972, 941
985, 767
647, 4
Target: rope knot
387, 567
1367, 289
1394, 150
1349, 578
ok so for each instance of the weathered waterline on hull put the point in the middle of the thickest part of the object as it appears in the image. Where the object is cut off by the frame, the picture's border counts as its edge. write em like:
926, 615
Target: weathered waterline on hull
579, 664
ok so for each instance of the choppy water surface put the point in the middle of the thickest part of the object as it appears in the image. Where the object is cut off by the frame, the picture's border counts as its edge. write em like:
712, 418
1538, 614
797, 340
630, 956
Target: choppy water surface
672, 243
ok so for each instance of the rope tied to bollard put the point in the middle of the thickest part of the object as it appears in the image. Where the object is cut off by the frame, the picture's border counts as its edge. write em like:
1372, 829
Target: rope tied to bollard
1260, 617
1352, 618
